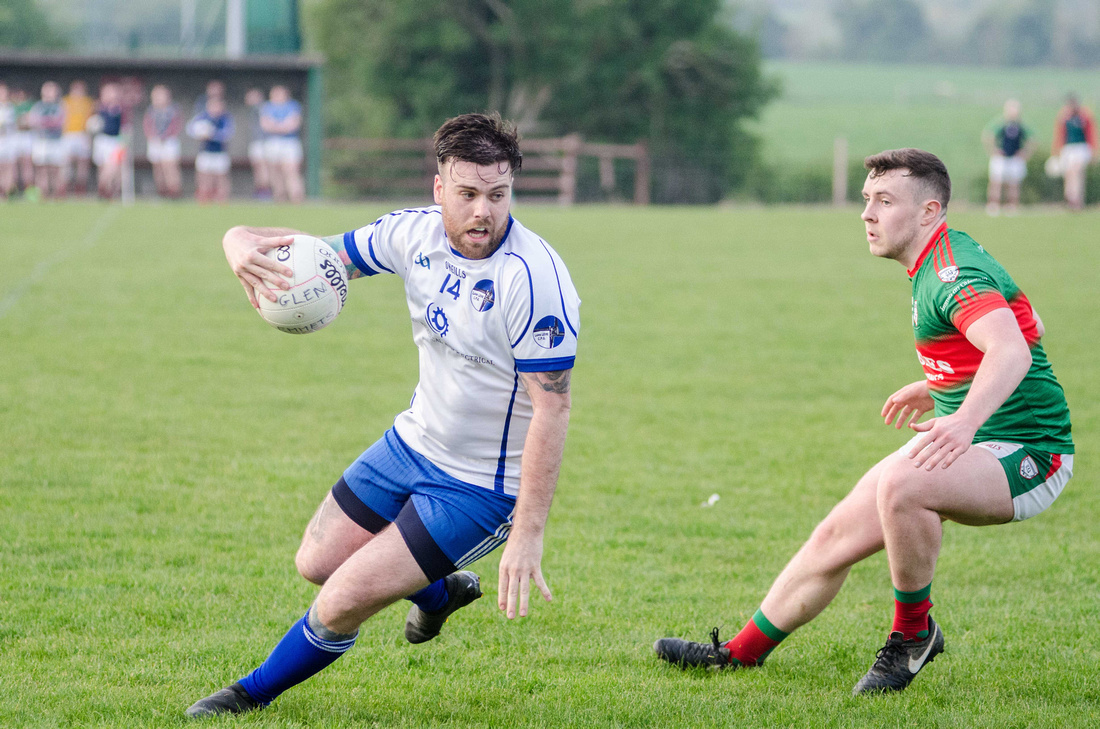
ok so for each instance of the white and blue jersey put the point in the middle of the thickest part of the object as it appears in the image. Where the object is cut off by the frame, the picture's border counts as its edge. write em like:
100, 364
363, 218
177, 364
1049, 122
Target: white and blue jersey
477, 324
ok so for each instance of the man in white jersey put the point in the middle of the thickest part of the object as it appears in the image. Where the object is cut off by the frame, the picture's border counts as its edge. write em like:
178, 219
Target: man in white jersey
474, 460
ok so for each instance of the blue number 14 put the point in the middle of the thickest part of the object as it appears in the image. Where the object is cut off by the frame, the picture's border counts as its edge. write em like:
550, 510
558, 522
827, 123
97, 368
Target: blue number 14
455, 290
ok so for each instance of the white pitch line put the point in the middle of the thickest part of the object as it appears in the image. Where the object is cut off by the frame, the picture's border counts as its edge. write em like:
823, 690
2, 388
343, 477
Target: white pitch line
43, 267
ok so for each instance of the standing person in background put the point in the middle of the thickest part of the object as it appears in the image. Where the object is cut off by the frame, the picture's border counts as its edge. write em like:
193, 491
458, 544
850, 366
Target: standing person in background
215, 89
261, 178
162, 126
47, 121
22, 141
7, 143
1075, 145
281, 120
79, 107
108, 149
1009, 144
213, 127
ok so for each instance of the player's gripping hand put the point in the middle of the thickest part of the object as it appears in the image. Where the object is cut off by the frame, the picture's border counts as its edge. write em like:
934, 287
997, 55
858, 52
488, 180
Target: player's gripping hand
944, 441
520, 565
908, 404
257, 273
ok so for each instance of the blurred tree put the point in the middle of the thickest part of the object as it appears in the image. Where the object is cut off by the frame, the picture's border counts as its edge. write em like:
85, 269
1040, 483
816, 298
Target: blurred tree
883, 30
23, 25
616, 70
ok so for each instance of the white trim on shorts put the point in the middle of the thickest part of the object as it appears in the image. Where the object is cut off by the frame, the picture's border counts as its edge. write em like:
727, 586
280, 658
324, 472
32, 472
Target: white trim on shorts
163, 150
1038, 499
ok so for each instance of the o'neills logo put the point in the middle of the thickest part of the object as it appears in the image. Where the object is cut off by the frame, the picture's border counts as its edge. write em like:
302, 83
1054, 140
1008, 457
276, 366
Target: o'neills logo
949, 274
1028, 469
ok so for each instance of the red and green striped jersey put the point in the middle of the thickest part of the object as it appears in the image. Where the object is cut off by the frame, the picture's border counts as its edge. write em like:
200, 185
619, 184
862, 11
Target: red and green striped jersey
955, 283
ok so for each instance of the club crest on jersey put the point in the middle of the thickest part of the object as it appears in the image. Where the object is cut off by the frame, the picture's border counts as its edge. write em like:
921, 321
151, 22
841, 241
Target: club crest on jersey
482, 296
549, 332
437, 319
423, 261
1028, 469
949, 274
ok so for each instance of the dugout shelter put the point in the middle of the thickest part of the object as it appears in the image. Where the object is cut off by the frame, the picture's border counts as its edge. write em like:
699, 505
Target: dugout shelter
187, 78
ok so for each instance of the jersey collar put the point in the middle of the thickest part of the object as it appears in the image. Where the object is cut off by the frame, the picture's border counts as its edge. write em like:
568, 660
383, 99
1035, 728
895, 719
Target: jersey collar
927, 249
502, 241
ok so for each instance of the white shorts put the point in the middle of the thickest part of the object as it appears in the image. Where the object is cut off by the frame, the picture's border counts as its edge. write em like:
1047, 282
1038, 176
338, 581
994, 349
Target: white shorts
22, 142
283, 150
78, 144
49, 152
1007, 169
105, 147
256, 150
1076, 155
7, 148
212, 163
163, 150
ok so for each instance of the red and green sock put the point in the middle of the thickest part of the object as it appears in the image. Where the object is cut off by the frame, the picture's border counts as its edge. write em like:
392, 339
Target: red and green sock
911, 613
755, 641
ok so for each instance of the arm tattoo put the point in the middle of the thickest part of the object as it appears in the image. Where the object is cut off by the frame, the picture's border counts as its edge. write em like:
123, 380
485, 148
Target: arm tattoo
557, 381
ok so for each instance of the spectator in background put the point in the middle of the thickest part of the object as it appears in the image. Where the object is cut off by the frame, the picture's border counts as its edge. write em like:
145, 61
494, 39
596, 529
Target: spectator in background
79, 107
1075, 146
48, 152
1009, 144
213, 127
7, 143
108, 149
215, 89
281, 120
261, 179
23, 141
162, 126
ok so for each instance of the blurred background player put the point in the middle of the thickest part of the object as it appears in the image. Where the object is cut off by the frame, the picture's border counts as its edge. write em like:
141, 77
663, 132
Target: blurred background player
108, 146
261, 179
1010, 145
162, 125
213, 128
23, 142
1075, 146
999, 448
7, 143
215, 89
47, 121
79, 108
281, 120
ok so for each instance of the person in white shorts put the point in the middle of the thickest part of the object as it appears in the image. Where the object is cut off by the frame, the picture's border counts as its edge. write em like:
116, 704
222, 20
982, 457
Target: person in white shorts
213, 127
79, 108
162, 126
22, 140
1009, 144
48, 152
281, 120
7, 142
108, 147
1075, 146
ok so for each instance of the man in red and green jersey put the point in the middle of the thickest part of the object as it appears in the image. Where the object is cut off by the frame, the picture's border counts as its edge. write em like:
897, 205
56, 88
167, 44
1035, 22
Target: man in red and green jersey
991, 386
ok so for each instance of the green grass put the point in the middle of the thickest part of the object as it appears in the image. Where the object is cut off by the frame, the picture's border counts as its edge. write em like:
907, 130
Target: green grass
939, 108
162, 450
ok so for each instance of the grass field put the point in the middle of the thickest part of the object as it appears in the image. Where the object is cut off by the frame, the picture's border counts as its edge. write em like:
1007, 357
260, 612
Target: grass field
162, 450
939, 108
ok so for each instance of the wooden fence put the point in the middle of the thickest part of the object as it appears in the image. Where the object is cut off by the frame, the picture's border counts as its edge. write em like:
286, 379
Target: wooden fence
407, 166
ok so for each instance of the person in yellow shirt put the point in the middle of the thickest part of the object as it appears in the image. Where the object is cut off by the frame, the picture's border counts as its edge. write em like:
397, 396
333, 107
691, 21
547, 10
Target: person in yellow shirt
79, 107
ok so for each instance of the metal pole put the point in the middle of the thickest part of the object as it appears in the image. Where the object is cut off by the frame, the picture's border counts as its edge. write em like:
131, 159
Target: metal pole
840, 170
188, 9
234, 29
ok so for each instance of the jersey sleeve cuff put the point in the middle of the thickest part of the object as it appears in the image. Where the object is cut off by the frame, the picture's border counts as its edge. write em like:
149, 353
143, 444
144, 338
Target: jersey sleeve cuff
353, 254
545, 365
986, 303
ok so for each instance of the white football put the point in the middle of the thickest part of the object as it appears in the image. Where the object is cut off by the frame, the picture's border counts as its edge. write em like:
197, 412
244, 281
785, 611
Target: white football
201, 129
317, 290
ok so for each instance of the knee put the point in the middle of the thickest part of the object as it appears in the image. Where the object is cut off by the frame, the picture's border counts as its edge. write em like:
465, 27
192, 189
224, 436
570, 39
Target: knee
898, 488
310, 567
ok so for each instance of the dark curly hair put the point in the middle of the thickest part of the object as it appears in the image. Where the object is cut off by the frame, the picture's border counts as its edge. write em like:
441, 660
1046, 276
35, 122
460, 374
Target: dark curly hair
483, 139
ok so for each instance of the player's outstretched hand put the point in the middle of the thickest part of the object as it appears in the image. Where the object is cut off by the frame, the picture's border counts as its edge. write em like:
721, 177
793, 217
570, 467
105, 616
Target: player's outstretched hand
257, 273
945, 439
908, 404
520, 565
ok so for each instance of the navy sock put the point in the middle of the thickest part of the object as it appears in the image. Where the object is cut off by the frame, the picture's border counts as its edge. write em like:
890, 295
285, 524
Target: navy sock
299, 655
432, 598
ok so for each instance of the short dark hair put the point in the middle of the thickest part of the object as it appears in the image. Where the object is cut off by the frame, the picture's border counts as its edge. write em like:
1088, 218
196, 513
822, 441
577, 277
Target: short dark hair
923, 166
483, 139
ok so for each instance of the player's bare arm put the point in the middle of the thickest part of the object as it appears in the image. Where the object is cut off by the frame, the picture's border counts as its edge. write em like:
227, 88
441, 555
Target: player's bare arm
1005, 361
908, 404
521, 563
336, 242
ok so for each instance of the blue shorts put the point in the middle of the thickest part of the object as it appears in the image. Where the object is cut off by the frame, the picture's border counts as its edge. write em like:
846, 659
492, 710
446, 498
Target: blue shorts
446, 523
